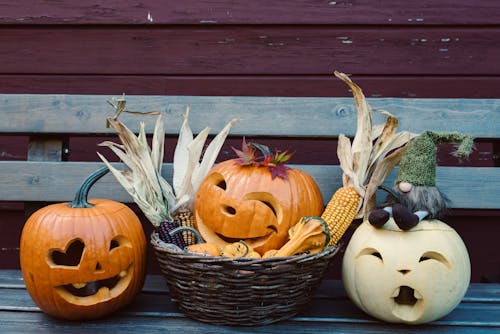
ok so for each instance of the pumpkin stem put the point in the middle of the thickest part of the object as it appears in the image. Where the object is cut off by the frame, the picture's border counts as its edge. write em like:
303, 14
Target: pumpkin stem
247, 248
80, 200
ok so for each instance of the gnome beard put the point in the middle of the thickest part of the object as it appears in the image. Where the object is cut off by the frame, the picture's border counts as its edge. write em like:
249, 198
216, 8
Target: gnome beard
424, 198
409, 205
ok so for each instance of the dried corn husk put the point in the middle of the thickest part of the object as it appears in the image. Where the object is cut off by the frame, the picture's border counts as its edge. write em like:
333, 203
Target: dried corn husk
142, 177
374, 151
189, 171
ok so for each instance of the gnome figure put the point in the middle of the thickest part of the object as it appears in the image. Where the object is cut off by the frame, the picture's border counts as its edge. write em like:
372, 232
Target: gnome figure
416, 196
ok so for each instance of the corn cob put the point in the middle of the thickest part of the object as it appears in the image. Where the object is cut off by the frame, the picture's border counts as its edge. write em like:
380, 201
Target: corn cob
340, 212
164, 232
186, 218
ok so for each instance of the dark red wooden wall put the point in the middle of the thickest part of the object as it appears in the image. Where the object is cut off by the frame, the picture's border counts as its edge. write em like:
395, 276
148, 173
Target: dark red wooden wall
392, 48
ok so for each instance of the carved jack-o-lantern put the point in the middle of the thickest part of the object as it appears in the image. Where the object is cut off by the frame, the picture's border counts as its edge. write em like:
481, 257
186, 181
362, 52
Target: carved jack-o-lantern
412, 277
244, 202
83, 259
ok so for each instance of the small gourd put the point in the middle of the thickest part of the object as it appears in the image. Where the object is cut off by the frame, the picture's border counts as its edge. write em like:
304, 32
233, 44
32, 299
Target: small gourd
270, 253
236, 249
253, 254
310, 235
204, 248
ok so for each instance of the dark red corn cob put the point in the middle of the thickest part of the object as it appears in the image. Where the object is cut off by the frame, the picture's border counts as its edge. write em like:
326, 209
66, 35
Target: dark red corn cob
164, 231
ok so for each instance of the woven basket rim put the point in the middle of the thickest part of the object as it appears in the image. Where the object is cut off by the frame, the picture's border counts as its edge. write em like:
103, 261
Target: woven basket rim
171, 249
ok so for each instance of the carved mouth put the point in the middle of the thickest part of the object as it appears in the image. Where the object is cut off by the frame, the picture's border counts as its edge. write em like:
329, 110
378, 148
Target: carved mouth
408, 303
85, 293
211, 236
252, 242
404, 295
91, 288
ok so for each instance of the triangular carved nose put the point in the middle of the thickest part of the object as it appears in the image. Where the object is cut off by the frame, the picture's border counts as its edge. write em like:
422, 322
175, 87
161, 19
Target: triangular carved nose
404, 271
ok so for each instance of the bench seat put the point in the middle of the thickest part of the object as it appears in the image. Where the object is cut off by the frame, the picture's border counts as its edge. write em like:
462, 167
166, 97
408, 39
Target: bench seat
330, 311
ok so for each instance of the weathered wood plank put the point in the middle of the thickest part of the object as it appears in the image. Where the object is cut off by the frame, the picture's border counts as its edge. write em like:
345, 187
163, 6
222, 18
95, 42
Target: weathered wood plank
52, 181
252, 50
242, 85
324, 312
33, 322
308, 117
42, 148
255, 12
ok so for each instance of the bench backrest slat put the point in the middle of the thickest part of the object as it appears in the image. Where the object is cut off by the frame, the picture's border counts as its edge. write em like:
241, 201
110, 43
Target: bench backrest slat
269, 116
58, 181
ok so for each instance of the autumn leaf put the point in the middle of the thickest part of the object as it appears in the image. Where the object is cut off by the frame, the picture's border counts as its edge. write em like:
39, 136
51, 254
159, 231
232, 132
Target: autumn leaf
278, 170
246, 156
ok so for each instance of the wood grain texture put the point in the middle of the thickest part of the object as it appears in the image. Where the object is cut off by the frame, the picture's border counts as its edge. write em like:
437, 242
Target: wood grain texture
307, 117
250, 50
42, 149
256, 12
329, 311
52, 181
12, 322
245, 85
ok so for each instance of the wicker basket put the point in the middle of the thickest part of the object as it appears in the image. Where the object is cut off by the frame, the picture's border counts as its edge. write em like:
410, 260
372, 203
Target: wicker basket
241, 291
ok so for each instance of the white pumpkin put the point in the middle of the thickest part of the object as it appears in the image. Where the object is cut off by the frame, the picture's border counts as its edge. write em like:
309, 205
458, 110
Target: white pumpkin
411, 277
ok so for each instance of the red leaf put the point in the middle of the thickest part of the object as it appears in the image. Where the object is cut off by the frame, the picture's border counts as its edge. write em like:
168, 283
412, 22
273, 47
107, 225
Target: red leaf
278, 171
246, 156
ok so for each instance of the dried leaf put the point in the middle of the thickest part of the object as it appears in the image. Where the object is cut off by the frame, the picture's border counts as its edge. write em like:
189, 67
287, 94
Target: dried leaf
346, 164
362, 144
385, 138
194, 151
120, 154
157, 149
382, 170
181, 155
374, 151
143, 180
399, 139
122, 179
211, 154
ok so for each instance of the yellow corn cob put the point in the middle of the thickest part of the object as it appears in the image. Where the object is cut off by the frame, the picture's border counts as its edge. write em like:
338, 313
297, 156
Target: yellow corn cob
186, 218
340, 212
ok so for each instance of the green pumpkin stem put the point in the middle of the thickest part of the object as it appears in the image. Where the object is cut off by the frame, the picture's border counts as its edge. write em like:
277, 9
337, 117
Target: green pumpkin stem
80, 200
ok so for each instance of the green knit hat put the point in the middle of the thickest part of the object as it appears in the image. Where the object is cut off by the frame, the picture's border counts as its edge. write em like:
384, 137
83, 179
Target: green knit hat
418, 164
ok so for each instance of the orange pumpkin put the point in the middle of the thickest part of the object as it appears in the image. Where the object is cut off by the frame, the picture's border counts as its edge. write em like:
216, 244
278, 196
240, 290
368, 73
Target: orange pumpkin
243, 201
83, 259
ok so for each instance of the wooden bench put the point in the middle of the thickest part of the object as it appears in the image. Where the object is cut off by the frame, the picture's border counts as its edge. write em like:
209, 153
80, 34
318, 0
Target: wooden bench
48, 120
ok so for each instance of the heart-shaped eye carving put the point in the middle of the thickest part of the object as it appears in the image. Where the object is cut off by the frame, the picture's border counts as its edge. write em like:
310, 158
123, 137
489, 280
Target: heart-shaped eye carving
71, 257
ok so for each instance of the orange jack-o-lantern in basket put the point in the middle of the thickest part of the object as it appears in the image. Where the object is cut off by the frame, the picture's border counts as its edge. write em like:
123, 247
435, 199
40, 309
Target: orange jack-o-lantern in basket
255, 200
